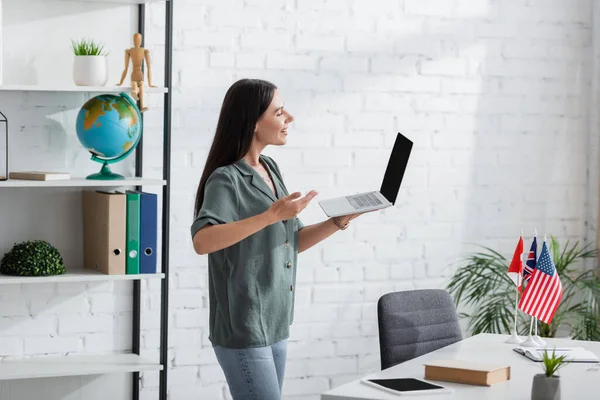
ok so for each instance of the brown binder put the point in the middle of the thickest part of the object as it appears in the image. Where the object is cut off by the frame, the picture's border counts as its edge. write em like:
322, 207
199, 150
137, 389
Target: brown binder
467, 372
104, 216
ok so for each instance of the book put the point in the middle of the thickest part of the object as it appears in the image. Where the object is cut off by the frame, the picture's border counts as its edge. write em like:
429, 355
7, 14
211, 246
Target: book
467, 372
39, 175
573, 354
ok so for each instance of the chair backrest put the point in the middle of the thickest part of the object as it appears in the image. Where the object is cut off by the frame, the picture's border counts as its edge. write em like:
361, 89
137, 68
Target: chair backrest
415, 322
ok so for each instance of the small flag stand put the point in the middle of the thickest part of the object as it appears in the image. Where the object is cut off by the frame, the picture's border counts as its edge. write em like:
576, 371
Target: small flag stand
538, 339
542, 295
530, 341
515, 271
514, 338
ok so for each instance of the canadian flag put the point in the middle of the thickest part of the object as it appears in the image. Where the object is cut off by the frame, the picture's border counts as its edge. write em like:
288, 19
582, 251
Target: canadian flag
515, 269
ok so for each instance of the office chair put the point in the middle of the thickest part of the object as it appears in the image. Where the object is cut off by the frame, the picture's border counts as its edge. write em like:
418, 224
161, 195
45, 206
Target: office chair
415, 322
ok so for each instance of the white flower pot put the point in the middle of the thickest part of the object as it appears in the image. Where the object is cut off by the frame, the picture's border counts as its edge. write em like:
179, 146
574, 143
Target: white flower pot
90, 70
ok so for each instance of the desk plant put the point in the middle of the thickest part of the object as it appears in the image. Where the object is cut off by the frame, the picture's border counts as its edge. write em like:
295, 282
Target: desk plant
90, 67
481, 284
546, 386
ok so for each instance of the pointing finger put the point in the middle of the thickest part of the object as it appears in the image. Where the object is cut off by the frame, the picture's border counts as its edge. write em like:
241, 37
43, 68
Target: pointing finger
306, 199
295, 195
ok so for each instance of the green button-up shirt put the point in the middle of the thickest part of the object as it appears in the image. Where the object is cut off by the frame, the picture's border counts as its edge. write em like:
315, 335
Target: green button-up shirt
251, 283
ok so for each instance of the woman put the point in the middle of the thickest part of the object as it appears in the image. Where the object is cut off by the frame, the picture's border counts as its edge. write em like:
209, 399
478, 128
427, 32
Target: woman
246, 221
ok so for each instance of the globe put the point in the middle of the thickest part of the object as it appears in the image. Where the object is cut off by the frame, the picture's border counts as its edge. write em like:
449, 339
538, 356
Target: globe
110, 127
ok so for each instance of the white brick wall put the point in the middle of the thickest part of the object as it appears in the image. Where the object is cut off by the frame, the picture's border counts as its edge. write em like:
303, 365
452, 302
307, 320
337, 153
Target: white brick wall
496, 96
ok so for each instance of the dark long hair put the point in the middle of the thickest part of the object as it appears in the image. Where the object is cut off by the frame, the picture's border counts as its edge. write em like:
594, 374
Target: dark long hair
244, 103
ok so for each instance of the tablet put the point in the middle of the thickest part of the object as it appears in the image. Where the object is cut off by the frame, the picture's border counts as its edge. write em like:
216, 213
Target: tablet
406, 386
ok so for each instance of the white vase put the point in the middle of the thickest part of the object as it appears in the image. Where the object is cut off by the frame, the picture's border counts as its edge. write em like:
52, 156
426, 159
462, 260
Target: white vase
90, 70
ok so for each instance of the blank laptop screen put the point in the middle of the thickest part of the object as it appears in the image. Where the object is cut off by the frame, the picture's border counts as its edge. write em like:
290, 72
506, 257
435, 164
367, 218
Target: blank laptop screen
396, 168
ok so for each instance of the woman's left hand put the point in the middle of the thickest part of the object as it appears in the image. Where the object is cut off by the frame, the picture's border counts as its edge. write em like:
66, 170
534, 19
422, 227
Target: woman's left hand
350, 217
356, 215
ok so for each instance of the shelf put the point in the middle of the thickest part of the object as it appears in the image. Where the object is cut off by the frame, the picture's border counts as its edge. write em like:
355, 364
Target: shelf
82, 182
76, 275
93, 1
83, 89
54, 366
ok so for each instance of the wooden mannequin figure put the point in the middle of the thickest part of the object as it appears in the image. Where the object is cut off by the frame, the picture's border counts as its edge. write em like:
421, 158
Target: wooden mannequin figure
137, 55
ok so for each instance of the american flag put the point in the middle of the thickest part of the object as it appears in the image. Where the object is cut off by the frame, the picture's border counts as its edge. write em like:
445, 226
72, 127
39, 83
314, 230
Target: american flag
531, 258
544, 291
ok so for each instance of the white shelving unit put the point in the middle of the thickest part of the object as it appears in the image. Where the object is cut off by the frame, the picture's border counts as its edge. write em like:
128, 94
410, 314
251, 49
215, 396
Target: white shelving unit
56, 366
31, 367
75, 275
92, 1
82, 182
85, 89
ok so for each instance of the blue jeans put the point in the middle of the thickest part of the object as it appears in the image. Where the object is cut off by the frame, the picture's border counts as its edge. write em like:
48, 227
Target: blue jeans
254, 373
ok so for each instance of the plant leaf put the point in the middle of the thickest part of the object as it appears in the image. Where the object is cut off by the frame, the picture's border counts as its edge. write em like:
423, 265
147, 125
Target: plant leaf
482, 285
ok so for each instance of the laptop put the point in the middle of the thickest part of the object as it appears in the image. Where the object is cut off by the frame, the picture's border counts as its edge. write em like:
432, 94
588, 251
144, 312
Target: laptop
376, 200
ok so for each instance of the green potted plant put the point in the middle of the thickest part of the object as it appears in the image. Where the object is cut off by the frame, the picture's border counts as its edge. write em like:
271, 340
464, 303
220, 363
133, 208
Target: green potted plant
546, 386
32, 258
482, 286
90, 67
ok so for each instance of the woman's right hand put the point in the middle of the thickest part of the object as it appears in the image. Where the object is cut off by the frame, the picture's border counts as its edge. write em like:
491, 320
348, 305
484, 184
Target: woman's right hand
290, 206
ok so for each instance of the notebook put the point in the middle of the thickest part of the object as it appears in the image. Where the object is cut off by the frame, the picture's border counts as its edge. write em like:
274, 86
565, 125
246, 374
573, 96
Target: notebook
573, 354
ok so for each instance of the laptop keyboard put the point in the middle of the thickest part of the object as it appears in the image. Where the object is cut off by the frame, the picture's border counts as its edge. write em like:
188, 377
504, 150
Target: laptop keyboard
363, 200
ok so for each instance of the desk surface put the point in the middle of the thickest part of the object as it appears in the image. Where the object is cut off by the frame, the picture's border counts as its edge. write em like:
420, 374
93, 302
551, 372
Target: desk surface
576, 381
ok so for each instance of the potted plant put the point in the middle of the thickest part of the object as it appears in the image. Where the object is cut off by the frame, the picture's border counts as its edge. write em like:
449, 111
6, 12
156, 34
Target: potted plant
546, 386
90, 67
482, 286
32, 258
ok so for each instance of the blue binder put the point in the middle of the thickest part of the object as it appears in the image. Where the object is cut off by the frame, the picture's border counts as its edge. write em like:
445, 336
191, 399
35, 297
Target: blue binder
148, 231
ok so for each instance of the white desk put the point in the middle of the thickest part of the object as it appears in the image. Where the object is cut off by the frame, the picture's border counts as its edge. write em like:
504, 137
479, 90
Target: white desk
576, 381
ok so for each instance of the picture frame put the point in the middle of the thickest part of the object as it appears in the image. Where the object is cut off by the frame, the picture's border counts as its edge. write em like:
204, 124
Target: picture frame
1, 36
3, 147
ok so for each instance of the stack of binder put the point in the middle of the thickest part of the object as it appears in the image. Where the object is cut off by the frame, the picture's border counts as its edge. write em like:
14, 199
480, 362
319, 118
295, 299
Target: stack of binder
119, 232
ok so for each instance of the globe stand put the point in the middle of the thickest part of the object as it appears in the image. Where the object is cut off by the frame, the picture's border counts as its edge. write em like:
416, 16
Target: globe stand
105, 174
